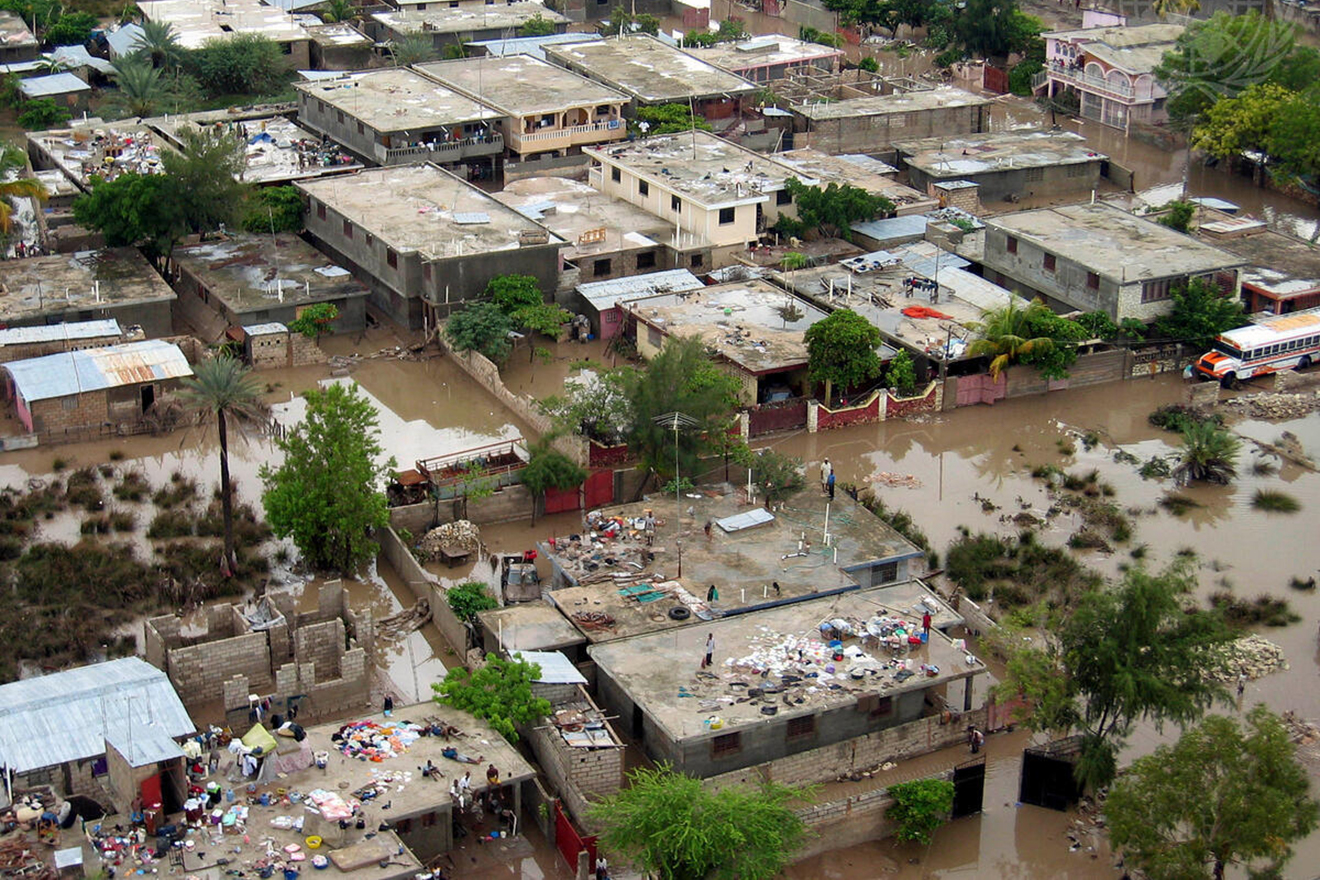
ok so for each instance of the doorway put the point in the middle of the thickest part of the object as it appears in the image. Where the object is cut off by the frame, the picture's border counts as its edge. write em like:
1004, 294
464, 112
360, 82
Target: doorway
148, 397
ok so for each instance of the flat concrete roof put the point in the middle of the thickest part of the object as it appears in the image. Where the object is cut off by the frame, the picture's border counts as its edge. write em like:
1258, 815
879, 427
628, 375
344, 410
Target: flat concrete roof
742, 564
739, 321
1113, 243
570, 209
651, 71
32, 287
397, 99
196, 21
1137, 49
278, 149
658, 671
763, 51
1281, 265
465, 19
531, 626
937, 98
520, 85
870, 174
14, 32
975, 154
703, 167
256, 272
337, 34
92, 146
422, 208
534, 46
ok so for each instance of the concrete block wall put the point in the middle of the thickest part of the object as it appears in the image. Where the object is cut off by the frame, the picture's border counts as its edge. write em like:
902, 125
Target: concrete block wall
198, 672
304, 351
159, 635
321, 644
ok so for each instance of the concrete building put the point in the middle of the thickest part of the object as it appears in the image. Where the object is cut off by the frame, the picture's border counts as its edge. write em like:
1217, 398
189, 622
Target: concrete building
60, 730
397, 116
256, 279
197, 21
67, 90
20, 343
814, 695
1005, 165
704, 185
424, 240
1098, 257
109, 283
278, 150
17, 43
745, 327
1109, 71
534, 46
770, 57
605, 302
866, 172
873, 124
86, 148
1281, 272
339, 46
652, 72
447, 25
607, 236
530, 626
546, 111
66, 395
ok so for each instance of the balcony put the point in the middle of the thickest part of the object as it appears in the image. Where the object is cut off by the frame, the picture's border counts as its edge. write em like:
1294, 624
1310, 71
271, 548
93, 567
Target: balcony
1086, 82
562, 138
442, 154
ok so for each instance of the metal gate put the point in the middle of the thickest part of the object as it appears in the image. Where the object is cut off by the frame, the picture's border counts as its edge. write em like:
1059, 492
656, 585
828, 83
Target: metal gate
968, 788
981, 389
569, 842
1047, 775
599, 489
561, 500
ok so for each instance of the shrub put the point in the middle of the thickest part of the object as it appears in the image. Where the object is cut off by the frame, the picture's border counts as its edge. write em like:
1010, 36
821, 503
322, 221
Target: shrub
1275, 501
920, 807
83, 490
133, 486
180, 491
41, 114
470, 598
171, 524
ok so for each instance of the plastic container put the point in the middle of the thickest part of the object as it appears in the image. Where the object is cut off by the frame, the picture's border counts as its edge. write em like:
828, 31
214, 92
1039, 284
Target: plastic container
925, 637
314, 842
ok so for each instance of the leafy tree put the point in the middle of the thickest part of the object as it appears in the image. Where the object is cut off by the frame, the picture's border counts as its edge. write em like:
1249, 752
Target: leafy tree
338, 10
1294, 141
537, 26
1020, 76
1003, 335
314, 321
1052, 360
499, 692
821, 38
841, 351
134, 209
670, 119
548, 468
729, 30
902, 373
778, 476
273, 209
595, 406
42, 113
1179, 216
1234, 125
1209, 453
414, 48
13, 162
995, 28
621, 21
482, 327
830, 210
223, 387
240, 64
869, 64
673, 827
71, 29
520, 297
1221, 796
204, 176
920, 807
1126, 653
327, 494
469, 599
159, 44
1201, 311
1098, 325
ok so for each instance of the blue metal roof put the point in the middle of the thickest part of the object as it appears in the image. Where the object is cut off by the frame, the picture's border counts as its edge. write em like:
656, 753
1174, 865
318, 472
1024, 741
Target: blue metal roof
73, 372
58, 332
531, 45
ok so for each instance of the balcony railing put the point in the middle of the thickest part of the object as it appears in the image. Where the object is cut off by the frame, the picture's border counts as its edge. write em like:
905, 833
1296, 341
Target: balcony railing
451, 151
555, 134
1086, 82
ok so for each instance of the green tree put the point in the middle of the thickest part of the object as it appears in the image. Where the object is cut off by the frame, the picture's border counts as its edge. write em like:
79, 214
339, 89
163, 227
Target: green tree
869, 64
548, 468
204, 177
621, 21
1294, 140
1231, 126
13, 163
224, 388
469, 599
272, 209
1201, 311
673, 827
830, 210
1179, 216
536, 26
920, 807
670, 119
159, 44
315, 321
841, 351
1053, 360
1003, 335
140, 89
133, 209
338, 10
71, 29
520, 297
1127, 652
595, 406
499, 692
482, 327
778, 476
995, 28
1221, 796
327, 493
239, 64
413, 48
1209, 453
902, 373
42, 113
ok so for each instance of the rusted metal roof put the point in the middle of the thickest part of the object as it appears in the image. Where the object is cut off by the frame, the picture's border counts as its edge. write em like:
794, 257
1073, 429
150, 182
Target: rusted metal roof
73, 372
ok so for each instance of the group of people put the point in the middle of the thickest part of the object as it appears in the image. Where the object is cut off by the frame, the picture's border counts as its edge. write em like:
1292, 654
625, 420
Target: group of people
827, 478
22, 250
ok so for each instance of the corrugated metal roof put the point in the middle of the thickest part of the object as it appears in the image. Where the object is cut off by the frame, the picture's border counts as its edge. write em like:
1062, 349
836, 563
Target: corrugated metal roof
608, 294
747, 520
892, 228
145, 745
65, 716
54, 84
555, 667
73, 372
57, 332
265, 329
531, 45
78, 56
124, 40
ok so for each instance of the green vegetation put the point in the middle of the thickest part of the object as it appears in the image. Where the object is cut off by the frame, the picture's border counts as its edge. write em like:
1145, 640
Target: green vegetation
13, 162
869, 64
778, 476
668, 119
1017, 572
899, 520
482, 327
841, 350
1003, 335
595, 406
42, 113
536, 26
1201, 311
315, 321
1179, 417
1252, 799
920, 807
901, 374
71, 29
548, 468
469, 599
1275, 501
621, 21
730, 29
326, 494
239, 64
1179, 216
500, 692
1264, 610
1209, 453
821, 38
414, 48
831, 210
672, 826
273, 209
520, 297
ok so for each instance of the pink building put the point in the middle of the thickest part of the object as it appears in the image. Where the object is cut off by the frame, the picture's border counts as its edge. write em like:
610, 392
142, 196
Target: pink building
1109, 69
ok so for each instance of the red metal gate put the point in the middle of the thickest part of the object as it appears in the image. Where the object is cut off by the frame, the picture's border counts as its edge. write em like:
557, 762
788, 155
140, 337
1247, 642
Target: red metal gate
561, 500
767, 418
599, 489
981, 389
570, 842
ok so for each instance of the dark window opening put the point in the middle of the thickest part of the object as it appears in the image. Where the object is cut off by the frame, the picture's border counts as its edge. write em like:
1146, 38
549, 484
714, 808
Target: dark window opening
1047, 262
1012, 245
616, 175
600, 268
320, 211
392, 258
695, 261
348, 229
801, 727
783, 197
643, 188
727, 744
676, 203
646, 260
727, 215
1092, 281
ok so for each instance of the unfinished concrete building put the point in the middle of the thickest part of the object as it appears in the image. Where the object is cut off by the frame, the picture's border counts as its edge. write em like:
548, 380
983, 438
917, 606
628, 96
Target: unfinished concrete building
320, 660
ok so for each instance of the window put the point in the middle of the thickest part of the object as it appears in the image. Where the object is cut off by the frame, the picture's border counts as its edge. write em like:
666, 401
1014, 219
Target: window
875, 705
695, 262
371, 240
320, 105
646, 260
1092, 281
728, 744
783, 197
1011, 245
340, 114
428, 820
69, 403
615, 174
1047, 262
426, 271
1035, 175
348, 229
320, 211
675, 203
392, 258
1154, 291
643, 188
654, 337
403, 826
727, 215
600, 268
885, 573
361, 128
798, 728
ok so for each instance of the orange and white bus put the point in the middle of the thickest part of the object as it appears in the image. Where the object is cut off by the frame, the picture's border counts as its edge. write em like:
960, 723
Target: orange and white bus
1279, 342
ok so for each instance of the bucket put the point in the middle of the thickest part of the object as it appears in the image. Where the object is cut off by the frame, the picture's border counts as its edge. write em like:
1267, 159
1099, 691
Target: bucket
925, 637
290, 874
265, 799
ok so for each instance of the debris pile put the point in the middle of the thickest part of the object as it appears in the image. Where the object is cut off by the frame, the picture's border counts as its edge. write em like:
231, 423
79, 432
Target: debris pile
905, 481
451, 539
1252, 655
614, 548
582, 726
1271, 405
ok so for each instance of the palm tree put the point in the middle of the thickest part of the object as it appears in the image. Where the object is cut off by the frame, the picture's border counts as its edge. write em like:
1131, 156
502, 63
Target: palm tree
1003, 335
1209, 453
159, 44
223, 386
412, 49
142, 88
338, 10
13, 162
1181, 7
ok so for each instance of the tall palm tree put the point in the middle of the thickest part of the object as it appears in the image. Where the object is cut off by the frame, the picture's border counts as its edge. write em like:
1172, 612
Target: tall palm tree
142, 89
412, 49
1209, 453
338, 10
225, 388
13, 162
159, 44
1003, 335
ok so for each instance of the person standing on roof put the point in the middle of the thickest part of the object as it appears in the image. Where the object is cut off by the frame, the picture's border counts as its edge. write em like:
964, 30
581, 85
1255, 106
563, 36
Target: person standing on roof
825, 470
710, 651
